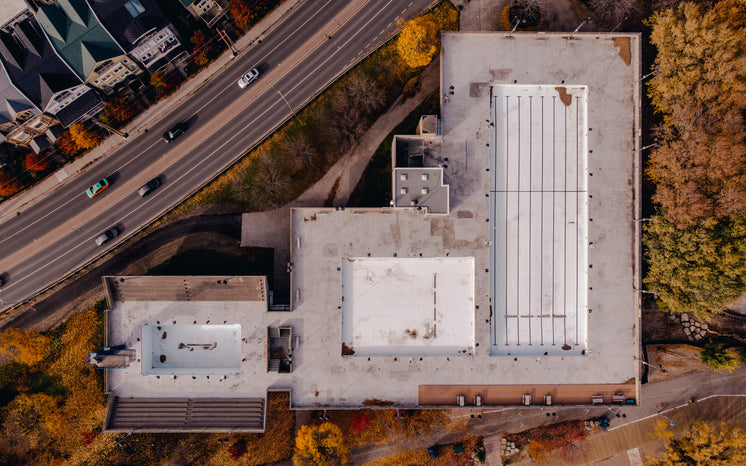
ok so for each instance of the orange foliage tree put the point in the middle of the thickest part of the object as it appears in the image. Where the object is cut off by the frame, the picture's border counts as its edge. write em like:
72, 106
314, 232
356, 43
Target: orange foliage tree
9, 184
24, 345
119, 110
203, 48
83, 136
31, 422
418, 42
320, 445
66, 144
242, 13
36, 162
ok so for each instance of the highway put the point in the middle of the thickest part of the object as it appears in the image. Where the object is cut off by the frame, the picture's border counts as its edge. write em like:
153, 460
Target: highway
55, 236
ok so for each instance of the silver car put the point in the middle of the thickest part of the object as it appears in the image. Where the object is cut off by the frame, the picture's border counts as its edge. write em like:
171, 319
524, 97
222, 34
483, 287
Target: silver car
248, 78
107, 236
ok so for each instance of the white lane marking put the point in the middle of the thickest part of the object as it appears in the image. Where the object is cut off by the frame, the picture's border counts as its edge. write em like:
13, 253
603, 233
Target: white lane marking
81, 194
131, 212
137, 157
259, 117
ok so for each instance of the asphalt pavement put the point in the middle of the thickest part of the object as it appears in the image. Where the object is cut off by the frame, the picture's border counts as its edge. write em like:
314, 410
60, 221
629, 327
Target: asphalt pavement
310, 45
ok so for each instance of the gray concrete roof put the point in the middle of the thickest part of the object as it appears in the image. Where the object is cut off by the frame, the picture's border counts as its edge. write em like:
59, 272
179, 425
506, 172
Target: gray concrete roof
603, 340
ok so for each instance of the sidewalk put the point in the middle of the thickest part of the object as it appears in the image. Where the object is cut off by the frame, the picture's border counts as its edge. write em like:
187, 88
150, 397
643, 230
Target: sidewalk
111, 144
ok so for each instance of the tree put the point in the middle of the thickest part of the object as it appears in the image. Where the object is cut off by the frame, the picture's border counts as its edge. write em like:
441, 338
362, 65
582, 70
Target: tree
119, 110
320, 445
418, 42
9, 184
31, 421
614, 11
242, 13
696, 269
701, 59
83, 136
66, 144
36, 162
298, 151
717, 356
24, 345
162, 83
705, 444
267, 184
203, 48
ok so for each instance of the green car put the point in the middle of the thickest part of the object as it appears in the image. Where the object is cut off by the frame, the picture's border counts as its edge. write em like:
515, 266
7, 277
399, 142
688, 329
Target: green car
96, 189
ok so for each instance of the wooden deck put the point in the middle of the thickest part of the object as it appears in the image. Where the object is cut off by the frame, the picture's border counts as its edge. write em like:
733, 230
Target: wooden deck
185, 288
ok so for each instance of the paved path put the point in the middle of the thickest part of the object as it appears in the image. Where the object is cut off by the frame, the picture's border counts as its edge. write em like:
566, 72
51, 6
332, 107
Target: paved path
720, 394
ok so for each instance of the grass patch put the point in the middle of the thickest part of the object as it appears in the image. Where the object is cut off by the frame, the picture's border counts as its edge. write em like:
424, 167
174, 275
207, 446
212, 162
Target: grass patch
374, 187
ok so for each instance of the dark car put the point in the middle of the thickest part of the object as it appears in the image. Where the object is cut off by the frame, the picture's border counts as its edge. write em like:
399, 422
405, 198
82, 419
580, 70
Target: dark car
174, 132
148, 187
2, 280
107, 236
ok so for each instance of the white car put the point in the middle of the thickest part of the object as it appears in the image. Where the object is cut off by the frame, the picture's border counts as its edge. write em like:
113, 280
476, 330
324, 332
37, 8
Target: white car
248, 78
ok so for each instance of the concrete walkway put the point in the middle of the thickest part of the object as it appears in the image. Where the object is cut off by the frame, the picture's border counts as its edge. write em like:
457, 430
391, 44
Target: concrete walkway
143, 121
271, 229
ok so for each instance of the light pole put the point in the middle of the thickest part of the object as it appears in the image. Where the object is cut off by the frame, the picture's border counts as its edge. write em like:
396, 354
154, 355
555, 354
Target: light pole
657, 366
283, 98
582, 23
666, 418
655, 144
655, 71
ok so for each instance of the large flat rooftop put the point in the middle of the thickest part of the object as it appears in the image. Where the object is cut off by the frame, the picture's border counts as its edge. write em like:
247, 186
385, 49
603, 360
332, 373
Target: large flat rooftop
542, 199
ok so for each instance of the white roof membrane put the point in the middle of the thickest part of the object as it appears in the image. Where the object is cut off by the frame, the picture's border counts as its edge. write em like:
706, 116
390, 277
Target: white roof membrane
539, 219
408, 306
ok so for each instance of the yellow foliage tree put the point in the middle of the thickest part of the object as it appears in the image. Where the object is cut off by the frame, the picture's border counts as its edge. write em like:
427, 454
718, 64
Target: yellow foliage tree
418, 42
321, 445
25, 346
706, 443
84, 137
32, 421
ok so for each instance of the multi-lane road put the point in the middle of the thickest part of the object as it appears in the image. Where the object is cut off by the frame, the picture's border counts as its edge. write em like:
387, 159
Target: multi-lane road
298, 58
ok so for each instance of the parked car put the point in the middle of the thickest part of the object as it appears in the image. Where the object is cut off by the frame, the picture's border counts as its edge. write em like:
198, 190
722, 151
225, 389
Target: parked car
107, 236
174, 132
248, 78
148, 187
97, 188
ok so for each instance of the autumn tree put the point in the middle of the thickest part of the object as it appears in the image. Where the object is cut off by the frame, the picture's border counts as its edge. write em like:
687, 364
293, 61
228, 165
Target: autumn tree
84, 136
696, 250
704, 444
162, 83
320, 445
9, 184
36, 162
31, 421
696, 269
23, 345
242, 13
66, 145
203, 48
717, 356
701, 59
119, 110
418, 42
